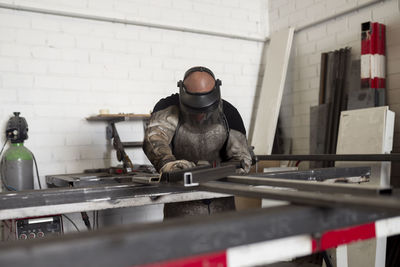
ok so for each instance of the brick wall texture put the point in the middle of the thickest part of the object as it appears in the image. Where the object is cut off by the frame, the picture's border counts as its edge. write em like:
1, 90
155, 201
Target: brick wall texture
302, 84
58, 70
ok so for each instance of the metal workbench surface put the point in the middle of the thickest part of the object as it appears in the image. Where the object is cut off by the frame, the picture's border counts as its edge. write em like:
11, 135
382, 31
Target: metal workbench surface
67, 200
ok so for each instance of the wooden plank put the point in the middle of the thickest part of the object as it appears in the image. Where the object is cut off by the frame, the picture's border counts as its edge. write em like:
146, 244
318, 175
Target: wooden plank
266, 116
118, 117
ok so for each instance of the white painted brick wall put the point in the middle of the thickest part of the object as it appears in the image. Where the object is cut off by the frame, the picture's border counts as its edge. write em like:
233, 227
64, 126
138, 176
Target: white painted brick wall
302, 85
58, 70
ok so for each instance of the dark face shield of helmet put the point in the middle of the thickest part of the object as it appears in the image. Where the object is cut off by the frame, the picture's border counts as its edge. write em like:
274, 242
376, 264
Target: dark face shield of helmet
199, 106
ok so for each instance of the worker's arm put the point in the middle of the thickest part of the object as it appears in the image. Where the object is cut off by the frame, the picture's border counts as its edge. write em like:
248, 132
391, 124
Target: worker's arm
159, 134
237, 149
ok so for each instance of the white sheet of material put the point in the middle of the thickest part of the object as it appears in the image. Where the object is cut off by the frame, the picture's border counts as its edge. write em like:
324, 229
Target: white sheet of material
366, 131
272, 86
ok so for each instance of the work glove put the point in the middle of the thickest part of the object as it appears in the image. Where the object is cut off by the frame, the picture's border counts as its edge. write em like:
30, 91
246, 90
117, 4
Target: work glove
240, 171
177, 165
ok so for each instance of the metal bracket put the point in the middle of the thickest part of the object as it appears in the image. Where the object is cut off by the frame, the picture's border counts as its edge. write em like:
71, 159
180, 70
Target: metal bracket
188, 179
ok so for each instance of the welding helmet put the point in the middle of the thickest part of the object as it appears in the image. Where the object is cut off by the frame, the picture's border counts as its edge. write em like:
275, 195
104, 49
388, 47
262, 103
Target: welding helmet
199, 102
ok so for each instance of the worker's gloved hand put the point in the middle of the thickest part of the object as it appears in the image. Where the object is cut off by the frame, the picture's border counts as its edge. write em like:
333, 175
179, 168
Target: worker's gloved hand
240, 171
177, 165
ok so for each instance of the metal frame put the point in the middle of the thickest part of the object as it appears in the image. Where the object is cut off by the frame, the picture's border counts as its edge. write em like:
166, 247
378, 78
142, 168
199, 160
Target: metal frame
312, 186
332, 207
65, 200
388, 203
141, 244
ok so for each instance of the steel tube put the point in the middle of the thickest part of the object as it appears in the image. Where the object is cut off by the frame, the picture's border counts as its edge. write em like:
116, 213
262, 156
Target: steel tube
312, 186
383, 203
333, 157
334, 16
319, 174
130, 22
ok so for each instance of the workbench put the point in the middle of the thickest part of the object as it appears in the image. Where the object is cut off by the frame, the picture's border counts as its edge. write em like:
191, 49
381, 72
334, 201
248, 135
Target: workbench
319, 217
95, 196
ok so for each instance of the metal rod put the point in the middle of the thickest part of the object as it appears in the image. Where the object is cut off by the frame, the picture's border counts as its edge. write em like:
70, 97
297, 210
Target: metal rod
308, 186
383, 203
334, 16
318, 174
130, 22
333, 157
132, 144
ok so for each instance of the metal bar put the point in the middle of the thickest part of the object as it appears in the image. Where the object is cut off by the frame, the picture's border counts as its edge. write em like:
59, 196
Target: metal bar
118, 117
118, 146
130, 22
205, 175
336, 15
66, 200
142, 244
385, 203
319, 174
132, 144
308, 186
334, 157
196, 175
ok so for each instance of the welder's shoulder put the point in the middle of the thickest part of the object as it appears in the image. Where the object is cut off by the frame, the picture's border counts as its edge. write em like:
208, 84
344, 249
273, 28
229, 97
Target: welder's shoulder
233, 117
172, 100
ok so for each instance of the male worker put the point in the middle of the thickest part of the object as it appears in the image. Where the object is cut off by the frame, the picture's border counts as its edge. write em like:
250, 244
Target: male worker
196, 126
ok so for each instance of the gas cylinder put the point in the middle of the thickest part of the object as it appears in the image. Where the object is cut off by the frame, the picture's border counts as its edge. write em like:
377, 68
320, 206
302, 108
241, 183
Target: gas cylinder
17, 161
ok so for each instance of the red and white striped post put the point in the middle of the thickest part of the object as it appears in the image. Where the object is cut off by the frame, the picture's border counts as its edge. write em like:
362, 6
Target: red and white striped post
373, 59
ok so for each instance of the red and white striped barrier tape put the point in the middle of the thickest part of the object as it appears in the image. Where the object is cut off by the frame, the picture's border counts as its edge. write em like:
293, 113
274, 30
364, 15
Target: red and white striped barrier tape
286, 248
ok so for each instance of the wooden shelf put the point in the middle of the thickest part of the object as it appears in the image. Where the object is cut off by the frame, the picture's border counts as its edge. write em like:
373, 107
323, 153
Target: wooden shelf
118, 117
